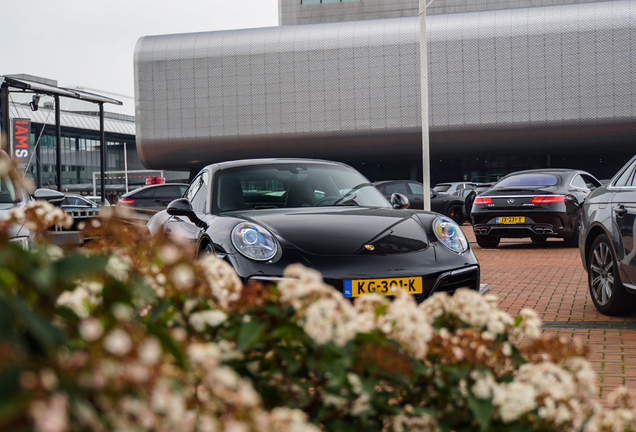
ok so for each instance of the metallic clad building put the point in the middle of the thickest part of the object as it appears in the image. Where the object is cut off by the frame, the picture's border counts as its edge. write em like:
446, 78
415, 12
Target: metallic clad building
509, 89
292, 12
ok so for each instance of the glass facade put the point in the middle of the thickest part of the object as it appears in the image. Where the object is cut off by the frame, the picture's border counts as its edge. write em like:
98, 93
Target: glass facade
80, 154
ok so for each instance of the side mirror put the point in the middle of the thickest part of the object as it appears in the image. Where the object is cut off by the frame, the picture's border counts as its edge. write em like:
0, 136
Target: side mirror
52, 196
434, 194
399, 201
183, 207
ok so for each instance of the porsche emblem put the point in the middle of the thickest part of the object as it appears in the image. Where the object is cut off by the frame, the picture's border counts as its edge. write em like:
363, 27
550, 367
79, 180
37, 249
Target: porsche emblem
369, 247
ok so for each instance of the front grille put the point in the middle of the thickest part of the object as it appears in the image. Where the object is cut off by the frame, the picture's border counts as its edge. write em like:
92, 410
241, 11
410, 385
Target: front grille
452, 283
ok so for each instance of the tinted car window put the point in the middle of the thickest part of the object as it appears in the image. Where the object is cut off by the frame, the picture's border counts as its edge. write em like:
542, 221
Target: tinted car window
7, 192
590, 182
200, 199
626, 178
303, 185
529, 180
416, 188
168, 192
390, 189
441, 188
578, 182
146, 193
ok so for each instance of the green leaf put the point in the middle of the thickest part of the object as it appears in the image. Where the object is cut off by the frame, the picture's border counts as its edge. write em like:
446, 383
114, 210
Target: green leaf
482, 410
76, 265
169, 345
250, 333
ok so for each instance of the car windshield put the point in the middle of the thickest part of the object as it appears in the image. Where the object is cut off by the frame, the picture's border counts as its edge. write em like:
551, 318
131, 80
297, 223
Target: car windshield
287, 185
523, 180
8, 195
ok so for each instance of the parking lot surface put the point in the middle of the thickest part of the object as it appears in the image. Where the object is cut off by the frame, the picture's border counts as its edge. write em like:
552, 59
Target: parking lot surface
549, 279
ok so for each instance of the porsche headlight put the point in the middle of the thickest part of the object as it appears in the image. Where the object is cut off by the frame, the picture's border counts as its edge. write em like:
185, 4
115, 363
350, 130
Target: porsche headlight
254, 242
450, 234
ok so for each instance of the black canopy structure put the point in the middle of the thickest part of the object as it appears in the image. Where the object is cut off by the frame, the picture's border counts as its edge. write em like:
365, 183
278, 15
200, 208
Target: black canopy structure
12, 84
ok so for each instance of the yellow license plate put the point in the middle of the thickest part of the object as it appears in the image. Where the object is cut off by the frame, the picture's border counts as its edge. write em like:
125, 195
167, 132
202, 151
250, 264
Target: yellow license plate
511, 219
358, 287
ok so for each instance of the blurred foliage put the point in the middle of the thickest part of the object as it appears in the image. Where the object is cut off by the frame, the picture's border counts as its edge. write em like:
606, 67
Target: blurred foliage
133, 333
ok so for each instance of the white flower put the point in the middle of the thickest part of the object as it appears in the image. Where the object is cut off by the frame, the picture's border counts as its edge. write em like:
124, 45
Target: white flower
117, 342
199, 320
470, 307
54, 252
290, 420
90, 329
224, 283
117, 268
183, 276
169, 254
514, 399
51, 415
328, 320
407, 324
80, 300
122, 312
484, 384
530, 326
150, 351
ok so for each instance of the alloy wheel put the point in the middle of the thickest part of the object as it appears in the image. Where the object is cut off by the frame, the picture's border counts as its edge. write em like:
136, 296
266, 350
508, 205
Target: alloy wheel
602, 273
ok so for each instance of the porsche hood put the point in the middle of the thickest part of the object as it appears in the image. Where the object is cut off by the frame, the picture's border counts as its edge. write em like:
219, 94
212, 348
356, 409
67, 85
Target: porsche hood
369, 231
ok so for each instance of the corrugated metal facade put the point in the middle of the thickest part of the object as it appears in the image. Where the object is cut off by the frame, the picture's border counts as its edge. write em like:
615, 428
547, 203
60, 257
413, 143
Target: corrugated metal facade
553, 76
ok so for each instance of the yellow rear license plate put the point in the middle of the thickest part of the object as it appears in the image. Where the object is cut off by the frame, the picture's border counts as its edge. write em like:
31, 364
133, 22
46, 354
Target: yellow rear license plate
358, 287
511, 219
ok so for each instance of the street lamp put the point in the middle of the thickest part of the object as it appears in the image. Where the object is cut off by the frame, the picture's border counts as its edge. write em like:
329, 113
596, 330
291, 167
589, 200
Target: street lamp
426, 160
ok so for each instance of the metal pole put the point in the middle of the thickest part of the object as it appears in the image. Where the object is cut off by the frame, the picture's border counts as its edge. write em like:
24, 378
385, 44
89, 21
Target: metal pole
126, 166
4, 119
426, 160
58, 139
102, 138
38, 165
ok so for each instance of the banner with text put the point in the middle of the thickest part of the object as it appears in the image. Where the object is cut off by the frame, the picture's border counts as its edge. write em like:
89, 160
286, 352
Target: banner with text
21, 139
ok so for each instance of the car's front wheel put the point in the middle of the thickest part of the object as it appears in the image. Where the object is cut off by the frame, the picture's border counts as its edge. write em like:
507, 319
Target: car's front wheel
205, 250
455, 213
487, 241
608, 293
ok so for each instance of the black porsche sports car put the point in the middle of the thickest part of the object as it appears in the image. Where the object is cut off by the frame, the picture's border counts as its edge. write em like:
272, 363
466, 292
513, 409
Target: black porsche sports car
262, 215
606, 244
446, 204
537, 203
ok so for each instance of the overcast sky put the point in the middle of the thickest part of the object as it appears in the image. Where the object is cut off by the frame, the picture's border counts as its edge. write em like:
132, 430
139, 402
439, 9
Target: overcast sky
90, 43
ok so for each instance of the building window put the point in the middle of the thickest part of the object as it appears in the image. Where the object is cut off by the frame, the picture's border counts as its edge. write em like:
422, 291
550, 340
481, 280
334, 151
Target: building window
306, 2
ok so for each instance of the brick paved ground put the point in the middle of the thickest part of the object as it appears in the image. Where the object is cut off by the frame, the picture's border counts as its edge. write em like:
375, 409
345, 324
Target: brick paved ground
549, 279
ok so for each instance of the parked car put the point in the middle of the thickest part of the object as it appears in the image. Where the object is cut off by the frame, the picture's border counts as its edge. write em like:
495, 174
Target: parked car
153, 197
449, 205
451, 187
78, 202
463, 192
606, 243
538, 204
98, 200
263, 215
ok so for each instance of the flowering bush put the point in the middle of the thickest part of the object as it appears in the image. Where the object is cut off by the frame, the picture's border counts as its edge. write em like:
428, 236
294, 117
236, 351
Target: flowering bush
130, 333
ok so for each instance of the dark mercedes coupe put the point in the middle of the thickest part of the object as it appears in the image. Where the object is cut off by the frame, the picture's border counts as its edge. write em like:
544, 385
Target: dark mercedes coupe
538, 204
262, 215
608, 223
